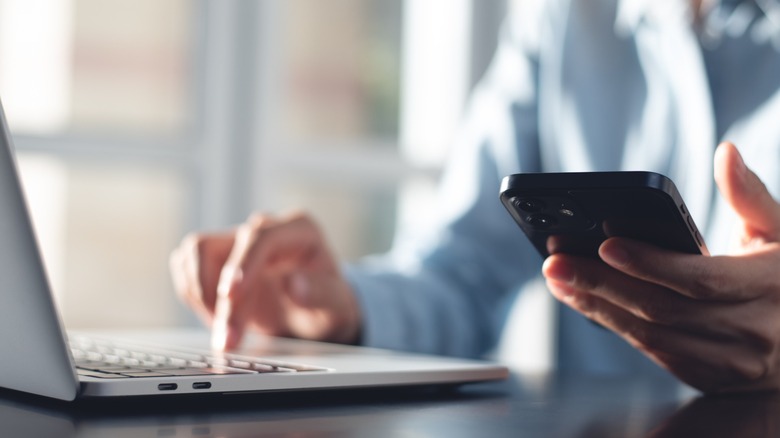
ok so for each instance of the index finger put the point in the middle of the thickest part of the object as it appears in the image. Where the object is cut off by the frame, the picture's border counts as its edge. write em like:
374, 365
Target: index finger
252, 282
229, 323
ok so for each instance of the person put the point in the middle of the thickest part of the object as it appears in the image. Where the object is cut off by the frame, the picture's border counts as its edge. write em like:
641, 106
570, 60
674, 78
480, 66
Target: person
574, 86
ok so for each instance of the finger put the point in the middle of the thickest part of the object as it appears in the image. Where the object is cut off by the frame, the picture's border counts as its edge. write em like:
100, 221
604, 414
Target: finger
684, 353
195, 267
719, 278
179, 275
205, 256
195, 297
225, 336
264, 243
726, 321
229, 324
237, 310
745, 192
183, 267
265, 252
212, 255
649, 301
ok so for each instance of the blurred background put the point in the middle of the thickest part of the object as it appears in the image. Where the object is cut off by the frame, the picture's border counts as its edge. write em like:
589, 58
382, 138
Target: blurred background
136, 121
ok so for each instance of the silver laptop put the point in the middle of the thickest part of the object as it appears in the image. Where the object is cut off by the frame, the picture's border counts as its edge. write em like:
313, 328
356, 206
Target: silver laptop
38, 356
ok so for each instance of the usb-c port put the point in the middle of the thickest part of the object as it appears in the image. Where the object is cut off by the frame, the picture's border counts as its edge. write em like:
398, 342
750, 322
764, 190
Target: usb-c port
167, 386
201, 385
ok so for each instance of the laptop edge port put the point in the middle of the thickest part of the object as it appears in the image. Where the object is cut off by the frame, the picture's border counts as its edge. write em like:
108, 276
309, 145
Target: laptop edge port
201, 385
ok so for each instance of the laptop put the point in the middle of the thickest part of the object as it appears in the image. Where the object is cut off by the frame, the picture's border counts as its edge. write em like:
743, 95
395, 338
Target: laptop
40, 357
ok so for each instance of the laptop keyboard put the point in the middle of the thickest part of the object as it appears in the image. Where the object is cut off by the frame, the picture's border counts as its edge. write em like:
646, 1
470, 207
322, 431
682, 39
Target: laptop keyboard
109, 360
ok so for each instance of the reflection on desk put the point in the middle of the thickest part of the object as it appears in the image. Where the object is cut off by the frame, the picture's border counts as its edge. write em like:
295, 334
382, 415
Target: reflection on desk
528, 406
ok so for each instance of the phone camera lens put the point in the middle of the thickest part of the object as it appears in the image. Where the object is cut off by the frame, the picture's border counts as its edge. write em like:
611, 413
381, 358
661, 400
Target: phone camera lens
566, 212
541, 221
529, 205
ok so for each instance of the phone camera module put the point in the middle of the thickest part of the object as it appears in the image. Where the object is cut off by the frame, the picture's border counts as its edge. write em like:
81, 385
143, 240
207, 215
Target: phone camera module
529, 205
541, 221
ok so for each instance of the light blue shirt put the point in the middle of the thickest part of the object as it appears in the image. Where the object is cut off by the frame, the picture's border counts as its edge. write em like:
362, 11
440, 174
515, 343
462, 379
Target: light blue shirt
577, 86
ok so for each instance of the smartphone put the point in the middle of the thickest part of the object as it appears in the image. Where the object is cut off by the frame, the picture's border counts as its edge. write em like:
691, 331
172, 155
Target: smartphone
575, 212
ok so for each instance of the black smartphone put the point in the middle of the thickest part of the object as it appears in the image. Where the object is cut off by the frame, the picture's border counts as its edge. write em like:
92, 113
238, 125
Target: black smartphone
575, 212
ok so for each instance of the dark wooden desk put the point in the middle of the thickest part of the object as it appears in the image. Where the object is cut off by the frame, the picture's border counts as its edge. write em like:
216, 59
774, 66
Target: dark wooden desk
522, 407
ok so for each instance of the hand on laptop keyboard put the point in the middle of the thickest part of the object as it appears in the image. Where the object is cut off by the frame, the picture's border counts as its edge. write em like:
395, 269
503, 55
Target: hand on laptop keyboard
273, 274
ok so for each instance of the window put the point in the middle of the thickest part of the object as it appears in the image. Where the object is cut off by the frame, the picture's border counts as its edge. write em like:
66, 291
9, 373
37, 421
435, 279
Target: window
98, 95
137, 121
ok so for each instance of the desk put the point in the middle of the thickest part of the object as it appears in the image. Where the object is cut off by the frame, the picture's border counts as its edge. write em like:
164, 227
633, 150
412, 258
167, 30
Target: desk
523, 406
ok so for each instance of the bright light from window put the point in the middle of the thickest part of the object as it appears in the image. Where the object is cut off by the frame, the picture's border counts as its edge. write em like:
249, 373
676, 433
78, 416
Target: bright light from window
437, 35
35, 67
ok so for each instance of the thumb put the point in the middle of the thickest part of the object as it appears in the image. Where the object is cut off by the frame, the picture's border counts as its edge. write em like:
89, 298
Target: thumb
745, 192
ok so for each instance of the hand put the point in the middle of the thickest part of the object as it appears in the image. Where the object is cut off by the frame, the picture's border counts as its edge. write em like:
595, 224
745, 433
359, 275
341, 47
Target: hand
714, 322
276, 275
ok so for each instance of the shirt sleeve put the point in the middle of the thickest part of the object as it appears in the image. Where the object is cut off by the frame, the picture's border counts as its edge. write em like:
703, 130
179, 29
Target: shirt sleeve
441, 289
